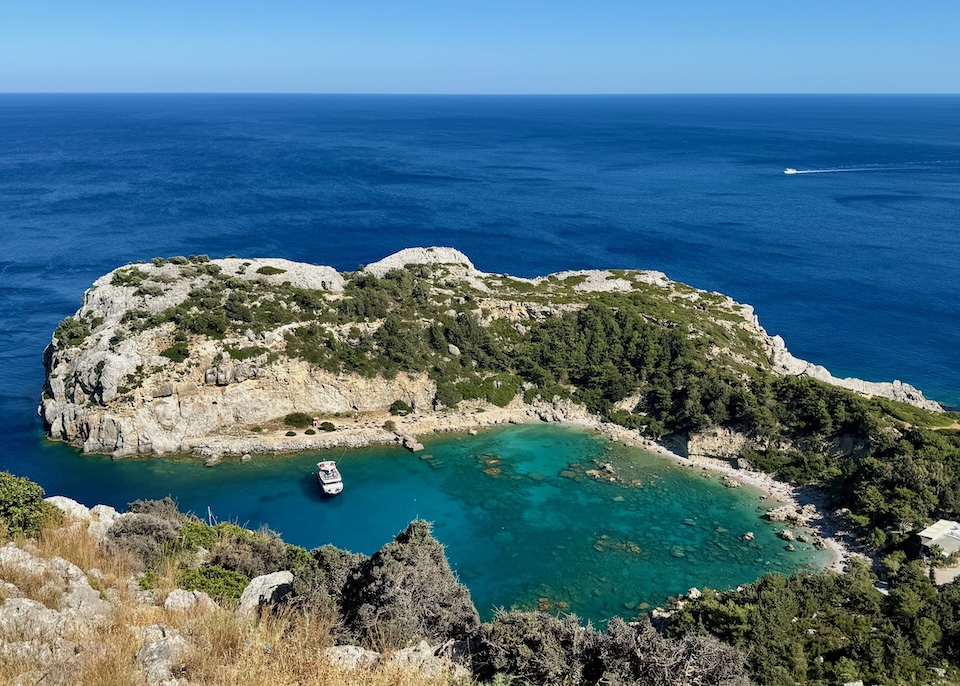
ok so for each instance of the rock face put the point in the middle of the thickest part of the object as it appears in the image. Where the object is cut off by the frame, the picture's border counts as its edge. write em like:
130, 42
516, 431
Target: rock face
118, 383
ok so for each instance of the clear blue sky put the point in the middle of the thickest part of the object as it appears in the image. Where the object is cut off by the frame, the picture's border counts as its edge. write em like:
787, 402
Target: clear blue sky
493, 46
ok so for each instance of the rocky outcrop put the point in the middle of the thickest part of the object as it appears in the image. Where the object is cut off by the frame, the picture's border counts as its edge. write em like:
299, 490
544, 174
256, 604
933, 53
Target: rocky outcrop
117, 383
76, 603
432, 255
783, 362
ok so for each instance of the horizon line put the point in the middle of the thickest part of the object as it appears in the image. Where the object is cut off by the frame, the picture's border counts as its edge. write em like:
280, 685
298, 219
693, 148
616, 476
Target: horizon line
494, 94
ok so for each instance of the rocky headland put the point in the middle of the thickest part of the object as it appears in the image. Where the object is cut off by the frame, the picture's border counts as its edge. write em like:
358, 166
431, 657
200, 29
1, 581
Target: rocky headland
207, 356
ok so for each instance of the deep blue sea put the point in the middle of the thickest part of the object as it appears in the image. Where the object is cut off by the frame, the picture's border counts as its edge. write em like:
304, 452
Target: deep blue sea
855, 265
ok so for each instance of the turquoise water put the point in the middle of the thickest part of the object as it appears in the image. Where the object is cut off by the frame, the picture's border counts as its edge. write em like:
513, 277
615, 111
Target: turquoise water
522, 523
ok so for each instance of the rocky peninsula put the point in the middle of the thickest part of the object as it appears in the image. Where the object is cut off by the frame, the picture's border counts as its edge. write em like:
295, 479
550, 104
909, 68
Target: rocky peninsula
208, 356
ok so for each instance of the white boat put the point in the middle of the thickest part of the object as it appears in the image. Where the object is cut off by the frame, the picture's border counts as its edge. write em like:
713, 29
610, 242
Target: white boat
789, 170
329, 477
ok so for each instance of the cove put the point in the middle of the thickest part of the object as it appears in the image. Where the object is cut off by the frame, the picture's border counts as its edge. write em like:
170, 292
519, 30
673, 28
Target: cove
523, 524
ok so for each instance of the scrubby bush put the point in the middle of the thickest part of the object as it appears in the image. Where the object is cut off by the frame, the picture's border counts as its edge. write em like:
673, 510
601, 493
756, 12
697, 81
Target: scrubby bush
327, 426
290, 433
165, 508
319, 577
177, 352
310, 432
249, 553
390, 426
218, 582
400, 408
146, 536
22, 508
195, 534
406, 591
72, 331
177, 259
268, 270
541, 649
535, 647
298, 420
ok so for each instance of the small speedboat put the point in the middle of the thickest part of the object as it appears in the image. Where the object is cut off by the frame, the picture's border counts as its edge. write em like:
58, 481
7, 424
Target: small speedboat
789, 170
328, 476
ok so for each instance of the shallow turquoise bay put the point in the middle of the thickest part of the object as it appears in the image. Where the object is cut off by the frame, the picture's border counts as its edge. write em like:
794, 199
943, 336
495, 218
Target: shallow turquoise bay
514, 537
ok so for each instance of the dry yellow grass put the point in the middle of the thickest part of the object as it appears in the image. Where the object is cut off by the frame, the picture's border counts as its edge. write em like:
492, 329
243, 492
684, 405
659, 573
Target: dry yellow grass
283, 650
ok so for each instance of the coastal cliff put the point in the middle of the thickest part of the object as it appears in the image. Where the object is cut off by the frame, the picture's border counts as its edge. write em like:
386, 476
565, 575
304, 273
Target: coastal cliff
208, 356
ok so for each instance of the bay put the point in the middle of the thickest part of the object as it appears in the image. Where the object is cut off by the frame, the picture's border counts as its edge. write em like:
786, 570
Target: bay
856, 268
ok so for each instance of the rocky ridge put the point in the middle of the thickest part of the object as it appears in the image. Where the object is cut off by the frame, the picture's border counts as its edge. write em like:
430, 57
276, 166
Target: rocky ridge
117, 386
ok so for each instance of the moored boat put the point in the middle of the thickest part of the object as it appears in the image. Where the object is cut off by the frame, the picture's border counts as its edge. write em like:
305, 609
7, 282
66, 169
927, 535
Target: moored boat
328, 476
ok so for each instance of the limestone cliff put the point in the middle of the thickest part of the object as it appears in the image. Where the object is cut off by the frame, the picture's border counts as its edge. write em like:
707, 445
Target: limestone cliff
173, 355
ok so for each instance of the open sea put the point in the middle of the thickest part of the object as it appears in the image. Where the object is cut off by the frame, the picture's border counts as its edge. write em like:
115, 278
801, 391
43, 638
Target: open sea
854, 262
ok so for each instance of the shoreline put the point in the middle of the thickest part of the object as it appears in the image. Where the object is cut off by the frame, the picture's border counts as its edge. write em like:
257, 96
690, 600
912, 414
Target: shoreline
367, 429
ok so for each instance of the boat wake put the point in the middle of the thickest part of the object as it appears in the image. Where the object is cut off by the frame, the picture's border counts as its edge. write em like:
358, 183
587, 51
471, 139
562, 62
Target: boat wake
906, 166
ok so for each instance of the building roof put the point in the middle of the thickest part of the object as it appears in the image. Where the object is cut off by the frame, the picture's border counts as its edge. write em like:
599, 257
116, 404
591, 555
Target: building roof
943, 527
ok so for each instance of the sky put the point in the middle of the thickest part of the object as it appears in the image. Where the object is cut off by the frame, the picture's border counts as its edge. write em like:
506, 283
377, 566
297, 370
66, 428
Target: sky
468, 46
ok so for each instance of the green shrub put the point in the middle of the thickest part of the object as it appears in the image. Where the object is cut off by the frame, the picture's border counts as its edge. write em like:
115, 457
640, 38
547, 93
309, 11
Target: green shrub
256, 429
327, 426
291, 433
72, 331
177, 352
310, 432
298, 420
390, 426
400, 408
249, 553
22, 508
267, 270
178, 259
195, 534
129, 276
219, 583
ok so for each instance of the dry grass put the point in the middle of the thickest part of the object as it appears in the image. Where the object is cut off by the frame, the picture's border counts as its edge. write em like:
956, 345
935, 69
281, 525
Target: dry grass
283, 650
46, 587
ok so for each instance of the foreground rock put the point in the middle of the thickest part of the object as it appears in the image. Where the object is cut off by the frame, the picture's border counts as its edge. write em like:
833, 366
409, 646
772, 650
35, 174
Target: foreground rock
264, 592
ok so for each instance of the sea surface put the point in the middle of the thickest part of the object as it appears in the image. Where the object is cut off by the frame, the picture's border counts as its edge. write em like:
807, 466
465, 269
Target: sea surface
855, 263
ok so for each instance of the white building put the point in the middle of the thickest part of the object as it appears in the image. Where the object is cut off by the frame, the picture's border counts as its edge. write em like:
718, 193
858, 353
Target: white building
945, 534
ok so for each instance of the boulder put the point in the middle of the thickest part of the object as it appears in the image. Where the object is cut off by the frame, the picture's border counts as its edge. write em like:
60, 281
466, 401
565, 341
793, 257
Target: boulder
70, 507
264, 591
179, 600
158, 658
694, 593
429, 661
351, 657
785, 534
22, 619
